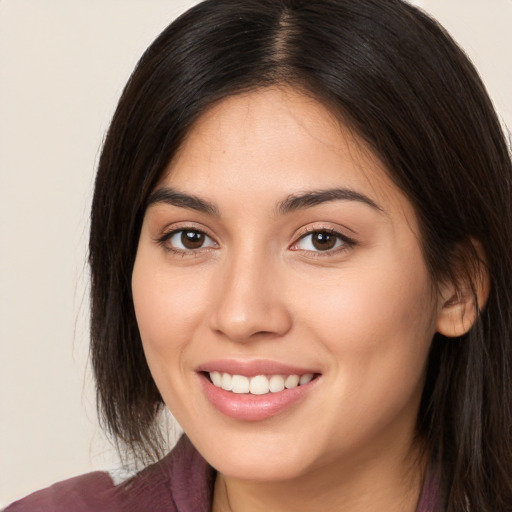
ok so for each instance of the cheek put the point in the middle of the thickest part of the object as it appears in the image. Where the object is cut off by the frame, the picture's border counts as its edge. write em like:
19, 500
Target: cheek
377, 325
368, 304
167, 306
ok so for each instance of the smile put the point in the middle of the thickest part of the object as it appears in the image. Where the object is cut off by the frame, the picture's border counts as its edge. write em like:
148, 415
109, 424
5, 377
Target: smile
255, 390
259, 384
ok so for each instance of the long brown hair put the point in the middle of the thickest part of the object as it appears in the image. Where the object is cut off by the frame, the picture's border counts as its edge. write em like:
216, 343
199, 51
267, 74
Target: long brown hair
406, 88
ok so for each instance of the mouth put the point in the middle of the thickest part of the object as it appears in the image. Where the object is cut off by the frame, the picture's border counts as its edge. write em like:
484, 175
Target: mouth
255, 391
258, 384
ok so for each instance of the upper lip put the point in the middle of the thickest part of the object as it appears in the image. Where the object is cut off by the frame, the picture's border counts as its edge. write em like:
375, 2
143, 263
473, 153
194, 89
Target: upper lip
253, 367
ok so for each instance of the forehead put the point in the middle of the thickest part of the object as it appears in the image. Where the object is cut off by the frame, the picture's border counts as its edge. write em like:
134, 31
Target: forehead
277, 141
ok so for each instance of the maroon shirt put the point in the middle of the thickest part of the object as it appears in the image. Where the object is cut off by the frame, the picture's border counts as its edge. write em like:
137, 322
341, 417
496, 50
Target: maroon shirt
180, 482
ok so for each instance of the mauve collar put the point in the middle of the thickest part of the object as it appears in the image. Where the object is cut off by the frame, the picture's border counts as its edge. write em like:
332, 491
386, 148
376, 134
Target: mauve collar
192, 480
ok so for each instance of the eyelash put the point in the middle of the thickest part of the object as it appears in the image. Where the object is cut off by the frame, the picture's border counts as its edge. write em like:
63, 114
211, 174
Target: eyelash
346, 242
166, 237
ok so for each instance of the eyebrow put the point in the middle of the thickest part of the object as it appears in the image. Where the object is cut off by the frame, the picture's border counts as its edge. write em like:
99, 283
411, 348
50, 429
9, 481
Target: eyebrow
315, 197
172, 197
292, 203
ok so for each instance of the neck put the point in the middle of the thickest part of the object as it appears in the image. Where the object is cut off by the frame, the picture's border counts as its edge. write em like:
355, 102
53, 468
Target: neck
365, 486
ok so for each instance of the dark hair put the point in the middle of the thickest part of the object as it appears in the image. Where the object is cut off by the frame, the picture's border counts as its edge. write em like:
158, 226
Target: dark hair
398, 79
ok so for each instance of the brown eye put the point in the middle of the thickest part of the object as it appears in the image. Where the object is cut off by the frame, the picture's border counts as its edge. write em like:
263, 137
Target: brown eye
183, 240
192, 239
323, 241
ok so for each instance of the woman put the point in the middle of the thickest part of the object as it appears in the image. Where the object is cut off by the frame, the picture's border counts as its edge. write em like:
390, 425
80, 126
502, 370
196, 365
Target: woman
300, 244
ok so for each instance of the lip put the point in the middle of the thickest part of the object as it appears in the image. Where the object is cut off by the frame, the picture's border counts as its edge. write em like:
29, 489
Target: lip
248, 407
254, 367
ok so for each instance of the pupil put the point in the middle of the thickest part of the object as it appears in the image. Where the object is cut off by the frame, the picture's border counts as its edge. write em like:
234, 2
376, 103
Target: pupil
192, 239
323, 241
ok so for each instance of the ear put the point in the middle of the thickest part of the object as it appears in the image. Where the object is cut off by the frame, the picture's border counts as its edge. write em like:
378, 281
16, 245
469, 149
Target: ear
461, 301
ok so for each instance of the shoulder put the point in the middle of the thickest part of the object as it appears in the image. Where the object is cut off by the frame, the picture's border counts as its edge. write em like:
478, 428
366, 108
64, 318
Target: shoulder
92, 491
181, 481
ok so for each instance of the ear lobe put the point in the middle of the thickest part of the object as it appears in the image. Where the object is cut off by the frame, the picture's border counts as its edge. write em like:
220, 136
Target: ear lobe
461, 302
457, 314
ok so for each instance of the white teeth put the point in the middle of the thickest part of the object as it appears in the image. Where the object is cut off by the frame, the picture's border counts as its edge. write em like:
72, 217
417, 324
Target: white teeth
292, 381
239, 384
276, 383
226, 382
216, 378
305, 379
259, 385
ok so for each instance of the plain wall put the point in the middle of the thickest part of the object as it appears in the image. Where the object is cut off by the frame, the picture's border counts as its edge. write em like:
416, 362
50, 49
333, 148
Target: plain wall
63, 64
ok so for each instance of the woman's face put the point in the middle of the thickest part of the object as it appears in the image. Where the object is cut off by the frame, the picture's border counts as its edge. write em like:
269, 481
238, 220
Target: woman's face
276, 249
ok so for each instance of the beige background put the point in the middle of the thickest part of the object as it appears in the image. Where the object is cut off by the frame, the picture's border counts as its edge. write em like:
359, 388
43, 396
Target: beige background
63, 64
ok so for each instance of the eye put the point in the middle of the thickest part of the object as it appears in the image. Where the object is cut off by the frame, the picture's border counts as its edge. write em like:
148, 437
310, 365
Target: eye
183, 240
322, 241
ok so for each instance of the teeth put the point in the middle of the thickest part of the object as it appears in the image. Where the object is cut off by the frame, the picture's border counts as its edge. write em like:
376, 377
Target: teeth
292, 381
240, 384
226, 382
216, 379
305, 379
276, 383
259, 385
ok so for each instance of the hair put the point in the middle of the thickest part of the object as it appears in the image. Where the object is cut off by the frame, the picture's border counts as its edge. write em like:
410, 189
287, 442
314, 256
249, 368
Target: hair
403, 85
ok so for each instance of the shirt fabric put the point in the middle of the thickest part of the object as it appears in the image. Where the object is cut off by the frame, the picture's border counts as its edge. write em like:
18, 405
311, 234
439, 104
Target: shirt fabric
180, 482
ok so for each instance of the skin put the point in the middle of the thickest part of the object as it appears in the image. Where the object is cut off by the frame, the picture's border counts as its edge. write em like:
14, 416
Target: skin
362, 315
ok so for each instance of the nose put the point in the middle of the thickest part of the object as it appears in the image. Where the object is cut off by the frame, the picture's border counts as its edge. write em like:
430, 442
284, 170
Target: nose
250, 303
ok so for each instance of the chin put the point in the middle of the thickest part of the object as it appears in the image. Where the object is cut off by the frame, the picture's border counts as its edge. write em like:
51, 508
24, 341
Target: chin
261, 455
259, 469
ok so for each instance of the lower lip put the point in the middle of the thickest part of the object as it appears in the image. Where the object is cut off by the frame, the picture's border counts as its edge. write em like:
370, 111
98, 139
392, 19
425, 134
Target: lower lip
247, 407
